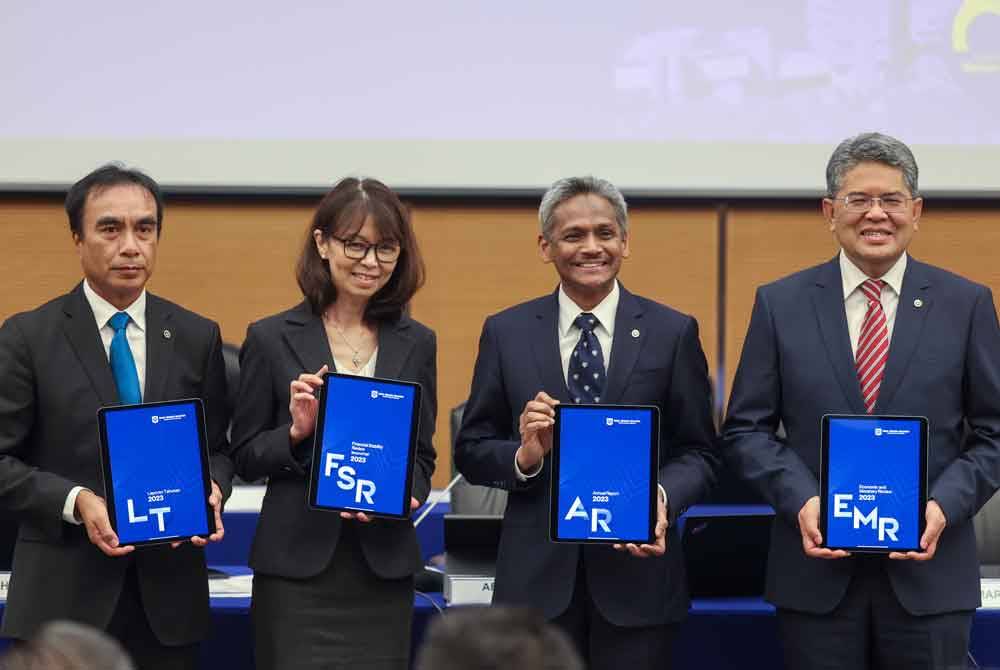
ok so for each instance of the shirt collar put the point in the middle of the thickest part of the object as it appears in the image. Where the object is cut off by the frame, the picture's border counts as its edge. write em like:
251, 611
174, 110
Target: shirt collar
605, 310
104, 310
853, 277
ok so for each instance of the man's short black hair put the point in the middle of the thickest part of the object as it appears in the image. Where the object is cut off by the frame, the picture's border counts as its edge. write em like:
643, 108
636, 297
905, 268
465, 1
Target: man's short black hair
106, 176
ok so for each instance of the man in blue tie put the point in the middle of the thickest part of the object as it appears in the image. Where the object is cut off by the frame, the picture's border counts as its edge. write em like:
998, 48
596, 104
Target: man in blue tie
106, 342
871, 331
590, 341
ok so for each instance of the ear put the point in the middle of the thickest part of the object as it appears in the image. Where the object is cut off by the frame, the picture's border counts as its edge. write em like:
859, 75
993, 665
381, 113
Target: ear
77, 242
918, 210
320, 243
626, 250
827, 205
544, 249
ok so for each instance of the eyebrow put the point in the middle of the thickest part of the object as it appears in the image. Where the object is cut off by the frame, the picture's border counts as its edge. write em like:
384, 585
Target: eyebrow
881, 195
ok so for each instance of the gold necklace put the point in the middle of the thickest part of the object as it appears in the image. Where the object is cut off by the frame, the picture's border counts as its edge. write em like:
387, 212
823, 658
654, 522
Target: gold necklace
356, 356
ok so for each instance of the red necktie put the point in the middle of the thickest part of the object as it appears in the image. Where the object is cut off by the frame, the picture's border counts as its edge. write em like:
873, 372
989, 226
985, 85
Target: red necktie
873, 344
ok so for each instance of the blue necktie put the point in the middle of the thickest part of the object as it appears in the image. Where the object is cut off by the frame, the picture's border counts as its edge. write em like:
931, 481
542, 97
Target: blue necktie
122, 363
586, 364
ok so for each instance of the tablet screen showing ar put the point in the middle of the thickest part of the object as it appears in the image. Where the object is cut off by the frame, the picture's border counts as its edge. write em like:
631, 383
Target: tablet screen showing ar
604, 473
366, 438
874, 482
156, 471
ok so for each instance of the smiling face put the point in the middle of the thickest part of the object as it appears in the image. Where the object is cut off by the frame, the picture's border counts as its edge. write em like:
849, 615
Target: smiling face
873, 240
587, 247
117, 245
355, 279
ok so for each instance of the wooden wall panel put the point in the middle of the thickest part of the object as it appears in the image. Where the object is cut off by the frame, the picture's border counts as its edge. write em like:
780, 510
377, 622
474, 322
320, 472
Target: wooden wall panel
234, 263
763, 245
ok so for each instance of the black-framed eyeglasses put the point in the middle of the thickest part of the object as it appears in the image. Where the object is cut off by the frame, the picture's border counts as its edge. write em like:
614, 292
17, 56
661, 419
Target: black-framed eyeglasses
356, 249
859, 203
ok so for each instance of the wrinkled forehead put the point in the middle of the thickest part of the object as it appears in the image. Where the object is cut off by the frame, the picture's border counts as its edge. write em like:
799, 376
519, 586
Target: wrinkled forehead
119, 200
586, 209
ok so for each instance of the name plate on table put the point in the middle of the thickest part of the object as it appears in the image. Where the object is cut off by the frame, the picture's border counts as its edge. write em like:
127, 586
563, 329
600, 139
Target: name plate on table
365, 445
989, 588
468, 589
874, 482
605, 462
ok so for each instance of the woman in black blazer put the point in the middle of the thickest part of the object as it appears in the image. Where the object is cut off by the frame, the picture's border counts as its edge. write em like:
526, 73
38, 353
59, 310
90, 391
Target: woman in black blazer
331, 590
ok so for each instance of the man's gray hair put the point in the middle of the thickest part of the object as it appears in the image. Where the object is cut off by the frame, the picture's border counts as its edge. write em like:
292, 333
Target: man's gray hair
570, 187
870, 148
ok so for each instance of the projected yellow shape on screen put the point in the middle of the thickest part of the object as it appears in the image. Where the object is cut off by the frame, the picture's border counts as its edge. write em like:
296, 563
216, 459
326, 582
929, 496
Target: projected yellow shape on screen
967, 14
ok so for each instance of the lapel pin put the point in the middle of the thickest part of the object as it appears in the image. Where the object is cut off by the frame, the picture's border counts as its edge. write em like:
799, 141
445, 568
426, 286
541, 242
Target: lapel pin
635, 332
918, 303
166, 335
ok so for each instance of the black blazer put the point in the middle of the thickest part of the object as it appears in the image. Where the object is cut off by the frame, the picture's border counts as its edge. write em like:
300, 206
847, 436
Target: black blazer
797, 365
656, 358
292, 540
55, 377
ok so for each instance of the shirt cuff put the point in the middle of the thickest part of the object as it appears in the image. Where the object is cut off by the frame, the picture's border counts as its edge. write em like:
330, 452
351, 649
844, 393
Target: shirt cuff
69, 507
663, 496
522, 477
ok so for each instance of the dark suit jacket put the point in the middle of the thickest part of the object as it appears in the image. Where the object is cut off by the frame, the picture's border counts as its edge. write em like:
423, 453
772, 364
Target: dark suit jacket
797, 365
55, 377
664, 365
292, 540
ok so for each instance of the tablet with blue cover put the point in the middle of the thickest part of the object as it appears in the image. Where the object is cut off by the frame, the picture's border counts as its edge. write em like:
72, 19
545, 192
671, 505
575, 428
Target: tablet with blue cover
605, 464
364, 445
874, 482
157, 480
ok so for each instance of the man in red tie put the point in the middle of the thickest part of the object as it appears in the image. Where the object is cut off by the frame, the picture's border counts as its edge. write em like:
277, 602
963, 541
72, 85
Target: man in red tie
872, 331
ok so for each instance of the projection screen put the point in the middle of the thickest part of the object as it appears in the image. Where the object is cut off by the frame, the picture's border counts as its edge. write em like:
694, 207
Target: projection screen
661, 97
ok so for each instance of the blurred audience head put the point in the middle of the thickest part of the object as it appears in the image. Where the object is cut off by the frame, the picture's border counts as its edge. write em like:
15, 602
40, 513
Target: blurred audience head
67, 645
498, 638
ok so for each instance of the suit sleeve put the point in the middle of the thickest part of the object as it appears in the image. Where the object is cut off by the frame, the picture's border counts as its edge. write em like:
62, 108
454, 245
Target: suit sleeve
972, 479
217, 415
486, 446
691, 470
426, 455
749, 439
261, 444
26, 493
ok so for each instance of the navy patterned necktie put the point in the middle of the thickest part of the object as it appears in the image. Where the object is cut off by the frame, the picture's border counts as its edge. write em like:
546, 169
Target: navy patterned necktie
586, 377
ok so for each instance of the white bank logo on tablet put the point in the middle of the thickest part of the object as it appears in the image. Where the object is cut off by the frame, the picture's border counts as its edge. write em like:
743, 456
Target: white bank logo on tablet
376, 394
612, 421
167, 417
879, 431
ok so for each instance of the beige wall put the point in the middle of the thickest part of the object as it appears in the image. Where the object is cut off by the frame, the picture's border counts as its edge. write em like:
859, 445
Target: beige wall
233, 263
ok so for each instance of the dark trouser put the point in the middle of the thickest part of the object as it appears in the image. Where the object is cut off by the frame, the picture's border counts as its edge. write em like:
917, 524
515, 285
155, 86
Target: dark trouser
344, 617
130, 626
605, 646
870, 629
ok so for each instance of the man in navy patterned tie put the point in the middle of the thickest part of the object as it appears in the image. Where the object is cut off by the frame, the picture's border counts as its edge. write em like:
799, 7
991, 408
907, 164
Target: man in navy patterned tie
108, 341
590, 341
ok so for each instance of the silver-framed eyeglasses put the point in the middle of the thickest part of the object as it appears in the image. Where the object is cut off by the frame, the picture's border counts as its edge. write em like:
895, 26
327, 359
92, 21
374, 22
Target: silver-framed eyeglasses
386, 251
858, 203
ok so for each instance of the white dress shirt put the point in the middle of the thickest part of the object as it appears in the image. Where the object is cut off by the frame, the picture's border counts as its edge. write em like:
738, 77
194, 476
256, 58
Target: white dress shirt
855, 302
135, 332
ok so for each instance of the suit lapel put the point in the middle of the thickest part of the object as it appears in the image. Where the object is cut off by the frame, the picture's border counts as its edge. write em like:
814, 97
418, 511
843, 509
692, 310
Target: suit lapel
394, 347
306, 338
159, 348
828, 302
546, 349
81, 331
625, 346
906, 330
